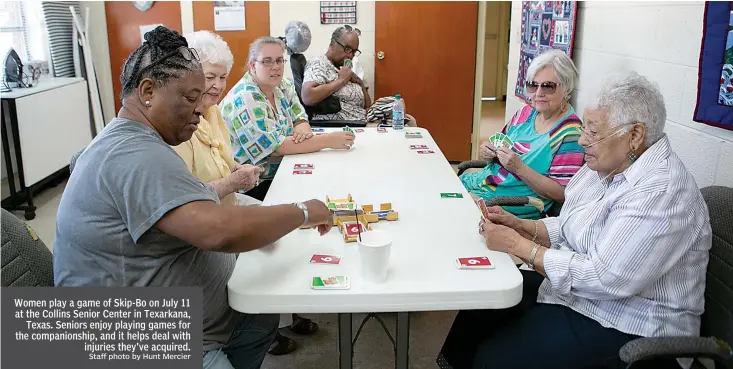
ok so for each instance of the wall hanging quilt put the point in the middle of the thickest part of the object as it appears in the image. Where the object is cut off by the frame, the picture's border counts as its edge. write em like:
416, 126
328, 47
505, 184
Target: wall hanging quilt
546, 25
715, 80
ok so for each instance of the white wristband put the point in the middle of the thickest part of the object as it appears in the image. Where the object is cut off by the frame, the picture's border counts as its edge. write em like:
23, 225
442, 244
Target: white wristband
304, 208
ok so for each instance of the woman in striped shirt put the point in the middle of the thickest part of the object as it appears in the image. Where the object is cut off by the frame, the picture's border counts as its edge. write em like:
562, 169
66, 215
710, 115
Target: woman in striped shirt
626, 258
545, 152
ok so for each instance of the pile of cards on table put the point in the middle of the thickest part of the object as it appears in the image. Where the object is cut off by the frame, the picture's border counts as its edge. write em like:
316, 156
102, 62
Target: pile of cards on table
413, 135
303, 169
475, 262
338, 282
422, 149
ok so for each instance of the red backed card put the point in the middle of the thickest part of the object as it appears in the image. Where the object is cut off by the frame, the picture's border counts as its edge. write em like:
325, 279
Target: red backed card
302, 172
416, 147
426, 152
359, 130
325, 259
381, 129
476, 262
303, 166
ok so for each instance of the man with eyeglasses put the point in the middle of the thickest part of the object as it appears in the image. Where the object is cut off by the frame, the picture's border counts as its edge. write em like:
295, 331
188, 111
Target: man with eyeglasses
331, 74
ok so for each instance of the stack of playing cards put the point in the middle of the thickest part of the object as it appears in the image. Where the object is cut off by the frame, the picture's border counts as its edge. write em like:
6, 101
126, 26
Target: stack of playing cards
303, 169
339, 282
499, 140
413, 135
348, 129
476, 262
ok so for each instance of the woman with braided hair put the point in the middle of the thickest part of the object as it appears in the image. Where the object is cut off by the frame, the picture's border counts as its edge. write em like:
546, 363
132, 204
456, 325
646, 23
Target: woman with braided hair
133, 215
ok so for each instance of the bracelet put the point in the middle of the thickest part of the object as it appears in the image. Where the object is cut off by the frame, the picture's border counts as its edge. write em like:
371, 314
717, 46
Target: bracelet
304, 208
536, 248
534, 238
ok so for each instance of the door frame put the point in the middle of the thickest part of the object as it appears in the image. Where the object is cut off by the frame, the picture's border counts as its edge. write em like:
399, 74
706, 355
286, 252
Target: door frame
478, 80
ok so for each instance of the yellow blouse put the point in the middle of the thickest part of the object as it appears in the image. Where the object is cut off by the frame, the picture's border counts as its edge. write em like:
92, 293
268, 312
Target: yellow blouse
208, 154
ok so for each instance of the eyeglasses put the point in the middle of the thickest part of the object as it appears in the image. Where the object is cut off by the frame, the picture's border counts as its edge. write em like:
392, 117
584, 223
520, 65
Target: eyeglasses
270, 63
349, 49
592, 136
187, 53
548, 87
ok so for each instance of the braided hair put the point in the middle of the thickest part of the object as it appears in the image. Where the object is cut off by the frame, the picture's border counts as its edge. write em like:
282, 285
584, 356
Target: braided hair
159, 42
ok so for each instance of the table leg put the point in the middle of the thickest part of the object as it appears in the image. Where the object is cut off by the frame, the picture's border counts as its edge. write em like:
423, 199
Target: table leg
30, 210
402, 346
6, 151
345, 345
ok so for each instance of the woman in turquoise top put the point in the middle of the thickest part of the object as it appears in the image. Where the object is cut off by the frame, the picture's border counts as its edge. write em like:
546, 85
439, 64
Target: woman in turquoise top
545, 153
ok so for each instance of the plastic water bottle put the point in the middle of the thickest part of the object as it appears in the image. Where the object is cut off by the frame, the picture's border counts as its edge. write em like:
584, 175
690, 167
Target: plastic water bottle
398, 113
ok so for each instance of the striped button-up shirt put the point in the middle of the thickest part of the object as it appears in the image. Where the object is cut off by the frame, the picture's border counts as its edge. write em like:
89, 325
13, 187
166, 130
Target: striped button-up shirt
631, 252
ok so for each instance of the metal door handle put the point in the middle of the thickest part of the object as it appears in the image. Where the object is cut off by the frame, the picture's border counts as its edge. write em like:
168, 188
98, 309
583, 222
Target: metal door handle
380, 55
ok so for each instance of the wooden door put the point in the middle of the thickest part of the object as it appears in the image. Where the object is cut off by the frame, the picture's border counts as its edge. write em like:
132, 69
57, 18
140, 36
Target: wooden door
123, 32
257, 22
430, 59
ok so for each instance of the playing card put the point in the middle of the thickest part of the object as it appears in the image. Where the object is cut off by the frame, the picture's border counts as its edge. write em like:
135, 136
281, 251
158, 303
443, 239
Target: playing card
317, 130
476, 262
339, 282
348, 129
451, 195
482, 206
303, 166
381, 129
412, 135
359, 130
426, 152
325, 259
418, 147
302, 171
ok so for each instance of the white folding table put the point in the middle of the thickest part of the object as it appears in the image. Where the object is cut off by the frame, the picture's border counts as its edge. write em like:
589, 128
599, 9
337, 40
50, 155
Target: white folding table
430, 234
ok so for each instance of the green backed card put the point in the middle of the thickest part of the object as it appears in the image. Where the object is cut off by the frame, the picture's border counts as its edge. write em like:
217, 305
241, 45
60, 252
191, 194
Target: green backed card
451, 195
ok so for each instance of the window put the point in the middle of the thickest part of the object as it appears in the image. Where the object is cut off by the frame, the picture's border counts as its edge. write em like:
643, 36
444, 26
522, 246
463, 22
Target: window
22, 28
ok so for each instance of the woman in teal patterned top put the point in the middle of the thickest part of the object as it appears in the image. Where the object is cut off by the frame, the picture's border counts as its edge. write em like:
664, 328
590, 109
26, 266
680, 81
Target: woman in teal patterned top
266, 120
545, 152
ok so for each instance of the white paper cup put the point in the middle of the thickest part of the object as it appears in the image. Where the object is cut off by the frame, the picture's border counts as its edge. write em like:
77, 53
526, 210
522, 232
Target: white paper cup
374, 251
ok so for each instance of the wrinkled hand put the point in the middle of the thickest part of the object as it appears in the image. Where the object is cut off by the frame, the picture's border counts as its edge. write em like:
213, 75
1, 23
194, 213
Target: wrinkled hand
345, 74
319, 216
487, 151
499, 216
244, 177
499, 237
509, 159
340, 140
302, 132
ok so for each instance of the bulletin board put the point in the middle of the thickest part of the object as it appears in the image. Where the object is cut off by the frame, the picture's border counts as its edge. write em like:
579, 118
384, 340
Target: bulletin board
546, 25
338, 12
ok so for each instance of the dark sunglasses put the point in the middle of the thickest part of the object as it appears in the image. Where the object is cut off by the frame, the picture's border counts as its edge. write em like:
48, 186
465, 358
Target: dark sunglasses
548, 87
187, 53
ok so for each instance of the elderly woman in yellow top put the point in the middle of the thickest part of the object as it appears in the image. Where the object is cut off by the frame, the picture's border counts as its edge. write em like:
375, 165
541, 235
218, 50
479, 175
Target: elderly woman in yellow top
208, 154
626, 258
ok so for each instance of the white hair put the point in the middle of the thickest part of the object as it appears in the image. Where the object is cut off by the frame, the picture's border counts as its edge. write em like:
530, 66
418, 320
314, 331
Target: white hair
254, 48
631, 98
211, 48
561, 64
